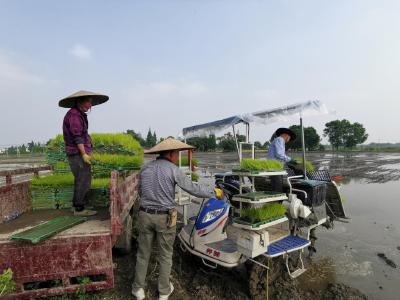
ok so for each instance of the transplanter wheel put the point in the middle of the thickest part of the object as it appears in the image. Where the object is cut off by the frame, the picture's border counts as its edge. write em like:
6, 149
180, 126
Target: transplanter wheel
260, 277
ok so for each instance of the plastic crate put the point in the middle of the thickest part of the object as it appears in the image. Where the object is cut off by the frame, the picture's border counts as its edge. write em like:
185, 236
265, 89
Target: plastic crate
316, 191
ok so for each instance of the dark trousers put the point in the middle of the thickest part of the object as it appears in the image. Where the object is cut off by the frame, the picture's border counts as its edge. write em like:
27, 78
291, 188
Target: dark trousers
83, 176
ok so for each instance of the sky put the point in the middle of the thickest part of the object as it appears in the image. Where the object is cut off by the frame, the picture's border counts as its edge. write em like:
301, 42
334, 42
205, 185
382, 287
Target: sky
170, 64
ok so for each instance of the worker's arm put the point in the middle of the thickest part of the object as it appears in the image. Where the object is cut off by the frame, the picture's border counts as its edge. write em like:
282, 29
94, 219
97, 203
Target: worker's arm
77, 131
86, 157
189, 186
280, 150
81, 149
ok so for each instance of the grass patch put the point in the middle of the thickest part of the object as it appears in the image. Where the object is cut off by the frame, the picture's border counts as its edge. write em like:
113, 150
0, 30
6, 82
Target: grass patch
261, 165
265, 213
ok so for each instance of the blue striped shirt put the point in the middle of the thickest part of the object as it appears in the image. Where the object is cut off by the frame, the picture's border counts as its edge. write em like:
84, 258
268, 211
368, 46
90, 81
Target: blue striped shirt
277, 150
157, 185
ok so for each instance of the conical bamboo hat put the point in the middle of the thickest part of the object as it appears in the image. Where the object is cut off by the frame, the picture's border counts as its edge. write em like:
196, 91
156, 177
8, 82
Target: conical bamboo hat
168, 145
70, 101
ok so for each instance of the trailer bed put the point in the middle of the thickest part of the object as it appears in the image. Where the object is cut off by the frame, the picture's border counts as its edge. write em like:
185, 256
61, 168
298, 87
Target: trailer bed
76, 258
99, 223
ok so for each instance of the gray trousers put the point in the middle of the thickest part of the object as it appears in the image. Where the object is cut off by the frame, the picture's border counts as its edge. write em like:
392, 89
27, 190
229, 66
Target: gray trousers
154, 227
82, 179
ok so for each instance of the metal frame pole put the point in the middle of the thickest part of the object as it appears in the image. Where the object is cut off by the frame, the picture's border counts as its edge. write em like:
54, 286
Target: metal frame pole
303, 146
237, 145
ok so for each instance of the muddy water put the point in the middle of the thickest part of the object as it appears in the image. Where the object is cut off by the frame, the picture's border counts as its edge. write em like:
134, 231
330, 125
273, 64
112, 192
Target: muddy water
348, 253
13, 164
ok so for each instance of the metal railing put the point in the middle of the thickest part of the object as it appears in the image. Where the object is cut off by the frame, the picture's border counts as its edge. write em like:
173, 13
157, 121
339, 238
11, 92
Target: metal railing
8, 174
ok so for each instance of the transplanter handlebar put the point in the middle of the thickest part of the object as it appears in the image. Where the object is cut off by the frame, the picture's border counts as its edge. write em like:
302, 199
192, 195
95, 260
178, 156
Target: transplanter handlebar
290, 178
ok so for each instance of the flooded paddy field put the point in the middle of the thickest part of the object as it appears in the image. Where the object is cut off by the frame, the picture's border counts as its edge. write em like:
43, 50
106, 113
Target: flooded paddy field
351, 253
13, 163
355, 260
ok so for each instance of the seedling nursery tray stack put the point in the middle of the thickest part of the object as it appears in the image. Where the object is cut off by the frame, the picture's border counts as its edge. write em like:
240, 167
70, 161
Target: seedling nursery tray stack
110, 152
260, 212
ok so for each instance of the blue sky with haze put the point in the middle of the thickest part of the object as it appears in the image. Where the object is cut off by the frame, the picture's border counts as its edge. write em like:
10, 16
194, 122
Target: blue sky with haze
172, 64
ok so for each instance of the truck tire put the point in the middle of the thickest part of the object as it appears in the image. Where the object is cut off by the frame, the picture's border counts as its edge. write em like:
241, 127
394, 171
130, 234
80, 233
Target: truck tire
124, 242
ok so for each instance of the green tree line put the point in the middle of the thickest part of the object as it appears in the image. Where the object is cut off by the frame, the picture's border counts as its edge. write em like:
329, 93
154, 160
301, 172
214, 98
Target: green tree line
31, 147
341, 134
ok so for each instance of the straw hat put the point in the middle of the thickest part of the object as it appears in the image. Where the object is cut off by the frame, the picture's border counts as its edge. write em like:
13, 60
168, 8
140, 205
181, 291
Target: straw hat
169, 144
70, 101
292, 135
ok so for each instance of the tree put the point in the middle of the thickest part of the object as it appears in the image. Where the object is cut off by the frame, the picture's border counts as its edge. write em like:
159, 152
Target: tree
227, 142
266, 145
355, 135
12, 150
211, 143
335, 131
203, 144
22, 149
341, 133
154, 138
311, 138
31, 146
137, 136
151, 139
257, 145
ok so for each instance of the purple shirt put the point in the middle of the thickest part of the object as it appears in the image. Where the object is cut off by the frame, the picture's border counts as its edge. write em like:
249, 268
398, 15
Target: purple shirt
75, 129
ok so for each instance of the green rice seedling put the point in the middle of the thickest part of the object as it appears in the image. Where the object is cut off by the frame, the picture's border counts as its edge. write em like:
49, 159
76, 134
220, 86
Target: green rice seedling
59, 181
195, 176
261, 165
185, 162
267, 212
117, 160
52, 181
7, 284
54, 144
103, 164
100, 183
116, 143
309, 165
61, 167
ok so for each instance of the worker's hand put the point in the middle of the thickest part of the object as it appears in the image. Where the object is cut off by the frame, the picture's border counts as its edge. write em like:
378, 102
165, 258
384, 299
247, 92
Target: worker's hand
219, 193
86, 158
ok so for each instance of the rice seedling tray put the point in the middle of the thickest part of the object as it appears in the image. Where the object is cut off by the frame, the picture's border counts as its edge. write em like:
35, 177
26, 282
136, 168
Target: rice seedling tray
260, 197
258, 173
47, 229
244, 224
52, 198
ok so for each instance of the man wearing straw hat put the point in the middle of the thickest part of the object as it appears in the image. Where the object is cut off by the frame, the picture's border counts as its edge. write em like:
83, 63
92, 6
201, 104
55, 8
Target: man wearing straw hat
78, 144
157, 213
